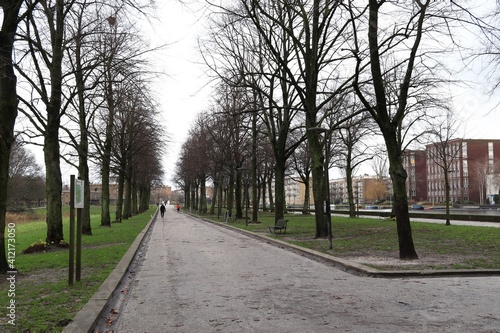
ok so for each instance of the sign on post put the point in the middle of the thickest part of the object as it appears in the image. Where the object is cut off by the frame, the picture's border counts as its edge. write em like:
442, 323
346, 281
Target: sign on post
79, 193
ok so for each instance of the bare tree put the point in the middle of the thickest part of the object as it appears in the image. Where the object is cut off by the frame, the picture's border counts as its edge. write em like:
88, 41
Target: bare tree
26, 183
301, 161
82, 63
352, 148
390, 87
304, 44
236, 47
43, 34
11, 11
444, 152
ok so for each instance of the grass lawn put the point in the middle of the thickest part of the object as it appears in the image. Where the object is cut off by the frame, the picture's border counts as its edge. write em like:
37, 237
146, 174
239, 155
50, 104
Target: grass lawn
44, 301
374, 242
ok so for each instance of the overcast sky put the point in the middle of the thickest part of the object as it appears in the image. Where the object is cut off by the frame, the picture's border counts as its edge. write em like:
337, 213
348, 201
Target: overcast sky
182, 91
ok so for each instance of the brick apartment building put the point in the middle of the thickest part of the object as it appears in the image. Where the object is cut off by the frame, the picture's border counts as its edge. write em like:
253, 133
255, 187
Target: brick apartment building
415, 164
95, 194
471, 165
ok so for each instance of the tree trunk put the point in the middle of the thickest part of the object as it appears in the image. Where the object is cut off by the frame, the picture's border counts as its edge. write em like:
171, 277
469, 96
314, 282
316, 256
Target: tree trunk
53, 182
86, 226
279, 190
271, 198
193, 201
105, 199
447, 195
127, 207
264, 187
106, 157
8, 114
306, 207
119, 199
230, 193
318, 177
83, 145
255, 199
135, 206
215, 192
51, 143
187, 195
350, 194
203, 195
144, 196
400, 203
238, 193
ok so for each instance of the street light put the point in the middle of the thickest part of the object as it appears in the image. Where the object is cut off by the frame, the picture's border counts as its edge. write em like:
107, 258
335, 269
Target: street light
328, 213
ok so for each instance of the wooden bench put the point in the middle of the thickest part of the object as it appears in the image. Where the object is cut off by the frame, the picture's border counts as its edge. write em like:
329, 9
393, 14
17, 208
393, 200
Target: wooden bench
280, 225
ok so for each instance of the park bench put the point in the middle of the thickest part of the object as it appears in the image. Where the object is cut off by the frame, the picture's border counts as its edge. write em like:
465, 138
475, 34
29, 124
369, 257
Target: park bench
280, 225
228, 218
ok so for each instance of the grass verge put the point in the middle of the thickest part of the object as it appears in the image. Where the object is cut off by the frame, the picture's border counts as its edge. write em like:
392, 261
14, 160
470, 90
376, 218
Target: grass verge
43, 300
374, 242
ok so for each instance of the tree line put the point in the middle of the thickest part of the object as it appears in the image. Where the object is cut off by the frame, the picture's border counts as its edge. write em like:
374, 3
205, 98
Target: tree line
305, 83
74, 78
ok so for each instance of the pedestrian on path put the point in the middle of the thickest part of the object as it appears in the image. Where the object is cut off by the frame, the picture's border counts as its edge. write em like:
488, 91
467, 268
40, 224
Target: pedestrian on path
178, 208
162, 210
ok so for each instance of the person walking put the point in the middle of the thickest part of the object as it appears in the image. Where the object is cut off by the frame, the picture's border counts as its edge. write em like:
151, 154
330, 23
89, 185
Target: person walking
162, 210
178, 208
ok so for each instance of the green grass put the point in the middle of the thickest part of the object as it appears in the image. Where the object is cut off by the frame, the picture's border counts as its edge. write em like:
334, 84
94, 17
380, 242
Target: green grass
438, 246
44, 301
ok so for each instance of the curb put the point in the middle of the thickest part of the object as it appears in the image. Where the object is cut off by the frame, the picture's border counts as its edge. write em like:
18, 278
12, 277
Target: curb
356, 268
87, 318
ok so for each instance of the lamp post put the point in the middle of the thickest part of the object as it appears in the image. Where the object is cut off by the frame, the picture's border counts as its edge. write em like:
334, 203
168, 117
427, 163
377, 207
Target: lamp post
328, 213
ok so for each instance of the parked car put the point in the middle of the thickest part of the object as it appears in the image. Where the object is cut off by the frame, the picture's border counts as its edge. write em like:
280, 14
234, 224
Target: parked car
371, 207
417, 207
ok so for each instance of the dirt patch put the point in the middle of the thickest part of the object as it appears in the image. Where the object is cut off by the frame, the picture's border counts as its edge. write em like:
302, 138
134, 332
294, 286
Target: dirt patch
429, 261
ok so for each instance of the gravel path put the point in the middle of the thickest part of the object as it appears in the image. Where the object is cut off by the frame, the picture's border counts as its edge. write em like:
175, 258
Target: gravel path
197, 277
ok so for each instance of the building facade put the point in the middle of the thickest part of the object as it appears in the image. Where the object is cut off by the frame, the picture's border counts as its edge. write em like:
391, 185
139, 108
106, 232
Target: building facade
95, 194
365, 188
470, 162
415, 164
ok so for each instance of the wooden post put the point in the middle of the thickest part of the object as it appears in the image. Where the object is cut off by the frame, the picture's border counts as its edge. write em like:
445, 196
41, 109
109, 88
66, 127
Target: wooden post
71, 230
78, 243
79, 231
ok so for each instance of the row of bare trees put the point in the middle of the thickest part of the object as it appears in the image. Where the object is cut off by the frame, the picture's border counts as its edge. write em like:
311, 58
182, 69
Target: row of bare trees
293, 70
82, 92
26, 182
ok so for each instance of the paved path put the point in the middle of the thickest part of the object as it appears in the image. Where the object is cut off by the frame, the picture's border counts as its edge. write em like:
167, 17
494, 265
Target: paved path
197, 277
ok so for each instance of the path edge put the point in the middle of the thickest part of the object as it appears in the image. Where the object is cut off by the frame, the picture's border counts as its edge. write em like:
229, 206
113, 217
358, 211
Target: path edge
87, 318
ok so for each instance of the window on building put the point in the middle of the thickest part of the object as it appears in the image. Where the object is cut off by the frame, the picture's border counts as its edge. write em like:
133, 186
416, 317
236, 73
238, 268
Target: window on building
490, 150
464, 149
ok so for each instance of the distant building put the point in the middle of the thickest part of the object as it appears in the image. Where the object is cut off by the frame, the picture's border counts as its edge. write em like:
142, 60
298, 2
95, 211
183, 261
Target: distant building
492, 187
468, 174
365, 188
415, 164
95, 194
294, 192
161, 193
